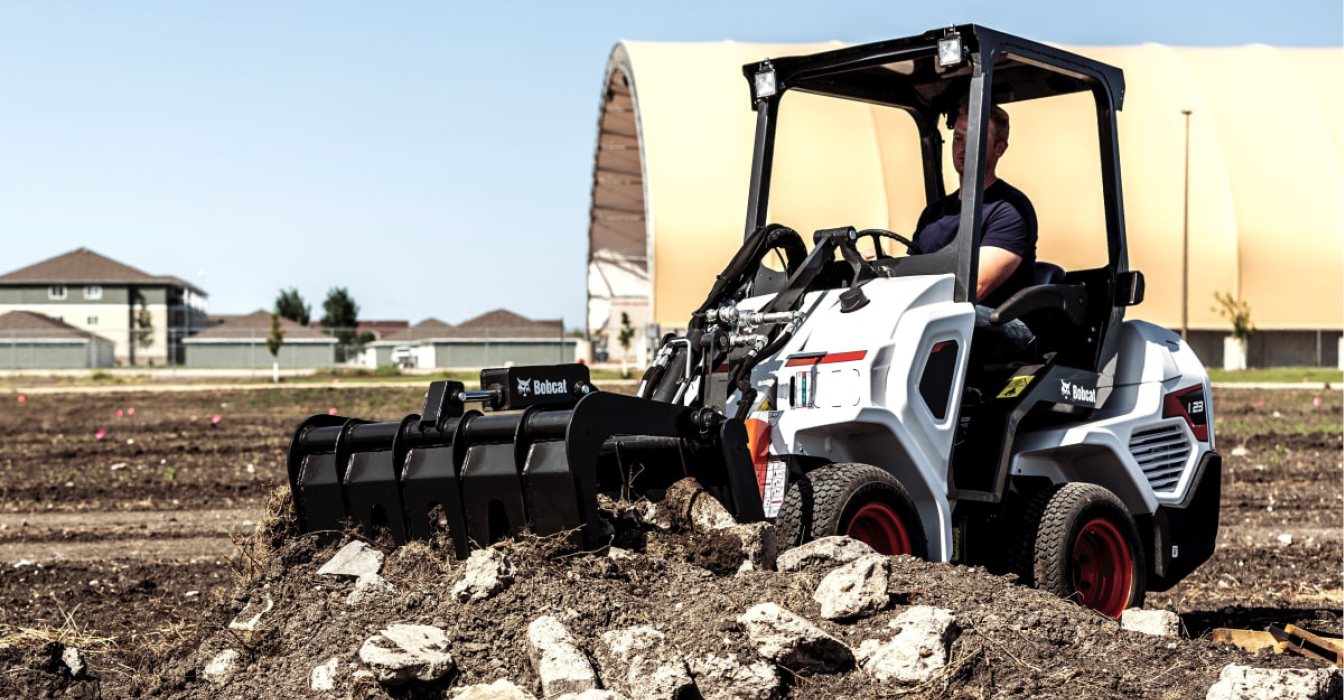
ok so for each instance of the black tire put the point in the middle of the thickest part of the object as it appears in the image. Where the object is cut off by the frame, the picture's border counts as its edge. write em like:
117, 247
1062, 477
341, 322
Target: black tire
1079, 542
826, 501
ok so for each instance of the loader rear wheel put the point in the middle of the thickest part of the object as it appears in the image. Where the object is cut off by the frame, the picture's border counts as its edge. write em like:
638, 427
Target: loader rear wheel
858, 500
1080, 543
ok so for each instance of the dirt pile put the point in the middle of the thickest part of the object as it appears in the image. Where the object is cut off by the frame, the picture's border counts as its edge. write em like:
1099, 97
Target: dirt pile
289, 621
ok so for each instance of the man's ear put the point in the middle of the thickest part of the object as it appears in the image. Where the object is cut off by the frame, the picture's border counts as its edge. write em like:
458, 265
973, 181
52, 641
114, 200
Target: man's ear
999, 148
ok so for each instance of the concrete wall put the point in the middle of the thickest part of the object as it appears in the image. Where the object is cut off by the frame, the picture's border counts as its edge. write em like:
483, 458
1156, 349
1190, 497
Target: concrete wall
75, 354
1273, 348
248, 355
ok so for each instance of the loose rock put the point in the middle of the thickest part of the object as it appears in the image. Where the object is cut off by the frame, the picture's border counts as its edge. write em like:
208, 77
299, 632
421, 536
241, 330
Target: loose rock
692, 507
1159, 623
640, 663
501, 689
323, 676
793, 642
828, 551
760, 545
561, 665
1238, 682
918, 650
402, 653
486, 573
726, 678
856, 589
354, 560
592, 695
250, 618
368, 587
222, 666
70, 656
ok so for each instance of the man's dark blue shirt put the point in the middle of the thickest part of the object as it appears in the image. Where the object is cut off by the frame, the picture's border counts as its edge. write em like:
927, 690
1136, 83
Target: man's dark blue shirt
1008, 222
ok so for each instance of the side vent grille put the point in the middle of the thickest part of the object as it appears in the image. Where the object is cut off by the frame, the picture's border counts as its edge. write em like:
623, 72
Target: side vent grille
1162, 453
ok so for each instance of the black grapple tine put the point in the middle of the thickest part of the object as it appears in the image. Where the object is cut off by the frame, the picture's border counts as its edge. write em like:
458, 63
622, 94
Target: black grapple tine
548, 484
492, 492
316, 474
430, 479
372, 488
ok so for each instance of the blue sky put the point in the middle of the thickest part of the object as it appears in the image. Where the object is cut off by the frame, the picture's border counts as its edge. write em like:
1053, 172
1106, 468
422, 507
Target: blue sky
433, 157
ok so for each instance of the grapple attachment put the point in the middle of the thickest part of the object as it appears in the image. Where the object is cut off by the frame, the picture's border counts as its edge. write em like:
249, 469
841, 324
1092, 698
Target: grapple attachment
544, 446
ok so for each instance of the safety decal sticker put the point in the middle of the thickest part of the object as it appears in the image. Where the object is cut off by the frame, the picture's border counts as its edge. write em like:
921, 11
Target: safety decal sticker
1016, 386
776, 474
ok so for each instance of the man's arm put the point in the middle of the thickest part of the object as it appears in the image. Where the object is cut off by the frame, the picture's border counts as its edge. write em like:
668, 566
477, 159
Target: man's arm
996, 266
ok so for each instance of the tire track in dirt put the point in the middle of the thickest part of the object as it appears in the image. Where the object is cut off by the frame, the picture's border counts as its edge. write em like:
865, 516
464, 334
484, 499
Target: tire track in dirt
128, 535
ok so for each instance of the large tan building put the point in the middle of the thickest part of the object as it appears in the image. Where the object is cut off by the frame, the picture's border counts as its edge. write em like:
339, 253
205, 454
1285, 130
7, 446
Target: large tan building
1265, 178
145, 316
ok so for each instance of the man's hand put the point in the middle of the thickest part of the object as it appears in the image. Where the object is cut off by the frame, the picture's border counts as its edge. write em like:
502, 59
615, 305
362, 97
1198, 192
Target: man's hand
996, 266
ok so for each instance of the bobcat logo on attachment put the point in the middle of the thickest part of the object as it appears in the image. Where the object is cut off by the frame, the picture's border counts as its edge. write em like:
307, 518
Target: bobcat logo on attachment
524, 386
1065, 388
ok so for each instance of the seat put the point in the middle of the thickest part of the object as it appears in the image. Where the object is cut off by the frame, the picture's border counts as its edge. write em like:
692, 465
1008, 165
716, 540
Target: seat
1048, 273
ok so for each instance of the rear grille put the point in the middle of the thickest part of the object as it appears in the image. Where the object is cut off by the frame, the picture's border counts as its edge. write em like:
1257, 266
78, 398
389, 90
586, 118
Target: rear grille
1161, 453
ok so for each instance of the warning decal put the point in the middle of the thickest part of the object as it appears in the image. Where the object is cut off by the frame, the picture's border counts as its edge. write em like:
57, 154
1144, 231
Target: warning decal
1016, 386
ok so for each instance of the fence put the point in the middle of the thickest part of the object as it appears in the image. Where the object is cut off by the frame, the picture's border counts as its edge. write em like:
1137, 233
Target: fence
227, 346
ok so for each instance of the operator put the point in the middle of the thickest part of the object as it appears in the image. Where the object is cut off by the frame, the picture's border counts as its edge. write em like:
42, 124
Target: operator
1008, 221
1007, 240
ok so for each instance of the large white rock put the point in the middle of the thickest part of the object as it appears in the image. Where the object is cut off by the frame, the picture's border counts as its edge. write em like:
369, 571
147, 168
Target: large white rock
222, 666
857, 589
323, 676
760, 545
639, 662
1248, 683
793, 642
369, 587
354, 560
1159, 623
402, 653
726, 678
486, 573
561, 665
501, 689
828, 551
917, 651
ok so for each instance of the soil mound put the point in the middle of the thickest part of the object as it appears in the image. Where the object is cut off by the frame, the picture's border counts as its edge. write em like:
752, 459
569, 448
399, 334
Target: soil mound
294, 630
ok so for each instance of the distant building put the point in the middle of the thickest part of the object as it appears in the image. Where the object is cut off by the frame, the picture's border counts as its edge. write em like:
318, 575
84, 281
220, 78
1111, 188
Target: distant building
493, 339
30, 340
144, 316
239, 342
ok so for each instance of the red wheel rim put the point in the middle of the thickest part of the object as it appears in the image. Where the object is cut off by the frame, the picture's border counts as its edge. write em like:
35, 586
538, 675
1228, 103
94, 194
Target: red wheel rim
1103, 569
878, 525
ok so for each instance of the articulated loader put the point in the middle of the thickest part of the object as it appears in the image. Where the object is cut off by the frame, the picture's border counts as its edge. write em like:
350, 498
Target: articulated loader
834, 392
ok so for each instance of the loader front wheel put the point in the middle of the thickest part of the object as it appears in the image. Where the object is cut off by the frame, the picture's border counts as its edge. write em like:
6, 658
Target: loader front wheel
1080, 543
858, 500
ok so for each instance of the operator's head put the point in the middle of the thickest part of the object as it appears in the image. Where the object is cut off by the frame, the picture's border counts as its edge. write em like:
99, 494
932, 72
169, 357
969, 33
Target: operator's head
995, 146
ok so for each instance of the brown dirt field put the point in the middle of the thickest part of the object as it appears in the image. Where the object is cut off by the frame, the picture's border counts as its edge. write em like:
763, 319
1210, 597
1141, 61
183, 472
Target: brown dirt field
120, 546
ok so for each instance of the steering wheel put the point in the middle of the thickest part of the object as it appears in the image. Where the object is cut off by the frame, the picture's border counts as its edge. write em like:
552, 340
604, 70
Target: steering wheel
879, 233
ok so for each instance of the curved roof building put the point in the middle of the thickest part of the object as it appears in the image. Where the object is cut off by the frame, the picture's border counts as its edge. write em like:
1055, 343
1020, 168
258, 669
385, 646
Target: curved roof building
1265, 178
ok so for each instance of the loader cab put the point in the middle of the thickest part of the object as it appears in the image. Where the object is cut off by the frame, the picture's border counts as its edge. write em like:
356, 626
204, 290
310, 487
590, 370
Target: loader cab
925, 80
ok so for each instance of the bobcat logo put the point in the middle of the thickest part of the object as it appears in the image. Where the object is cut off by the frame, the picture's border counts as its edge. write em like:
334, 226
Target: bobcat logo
524, 387
1065, 388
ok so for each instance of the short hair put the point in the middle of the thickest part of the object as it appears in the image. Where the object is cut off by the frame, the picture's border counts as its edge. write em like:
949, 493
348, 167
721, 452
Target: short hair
998, 120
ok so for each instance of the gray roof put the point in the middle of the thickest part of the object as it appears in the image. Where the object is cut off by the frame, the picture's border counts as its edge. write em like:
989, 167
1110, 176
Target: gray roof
83, 266
256, 325
30, 325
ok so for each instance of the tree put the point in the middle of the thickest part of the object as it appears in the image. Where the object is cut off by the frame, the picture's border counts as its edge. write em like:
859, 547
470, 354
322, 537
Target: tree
274, 342
626, 335
339, 319
290, 305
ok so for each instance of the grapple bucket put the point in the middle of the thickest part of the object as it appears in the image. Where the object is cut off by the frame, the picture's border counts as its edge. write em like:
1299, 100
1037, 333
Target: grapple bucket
545, 446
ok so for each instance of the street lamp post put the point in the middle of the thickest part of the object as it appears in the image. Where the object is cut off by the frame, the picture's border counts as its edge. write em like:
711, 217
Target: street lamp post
1185, 239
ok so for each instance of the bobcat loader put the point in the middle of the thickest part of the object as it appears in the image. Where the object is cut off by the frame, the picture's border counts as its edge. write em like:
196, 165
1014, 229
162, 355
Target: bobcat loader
842, 393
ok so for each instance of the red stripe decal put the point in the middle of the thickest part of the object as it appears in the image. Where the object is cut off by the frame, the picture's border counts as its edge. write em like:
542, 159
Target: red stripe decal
828, 358
844, 356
